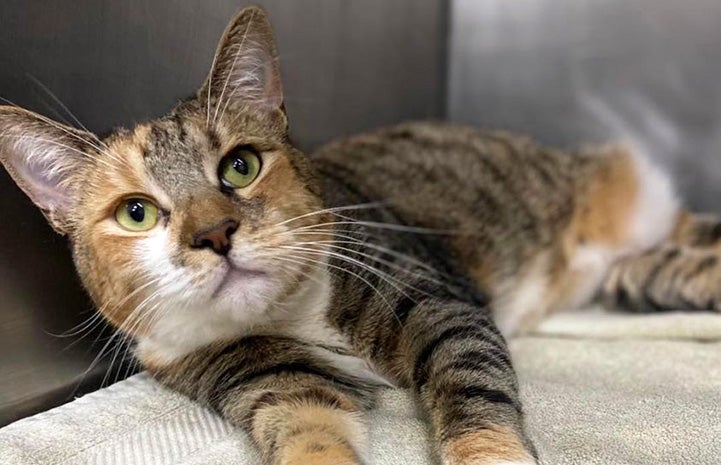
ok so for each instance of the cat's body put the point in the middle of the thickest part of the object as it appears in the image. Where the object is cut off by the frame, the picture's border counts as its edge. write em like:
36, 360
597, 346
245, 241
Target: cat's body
282, 290
536, 228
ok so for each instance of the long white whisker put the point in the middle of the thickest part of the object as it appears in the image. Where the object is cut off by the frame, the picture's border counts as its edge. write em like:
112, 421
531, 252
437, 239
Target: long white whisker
59, 102
391, 280
22, 137
301, 260
374, 224
126, 327
362, 206
118, 330
370, 245
73, 135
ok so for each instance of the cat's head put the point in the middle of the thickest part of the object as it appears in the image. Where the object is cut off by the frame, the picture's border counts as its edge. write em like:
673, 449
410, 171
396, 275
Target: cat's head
183, 224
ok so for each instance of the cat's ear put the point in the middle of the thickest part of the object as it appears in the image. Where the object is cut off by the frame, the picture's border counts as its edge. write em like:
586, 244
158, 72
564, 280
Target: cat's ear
245, 70
43, 157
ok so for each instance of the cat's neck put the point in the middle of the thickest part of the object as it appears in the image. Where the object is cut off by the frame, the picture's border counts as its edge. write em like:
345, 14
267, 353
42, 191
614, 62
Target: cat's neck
301, 315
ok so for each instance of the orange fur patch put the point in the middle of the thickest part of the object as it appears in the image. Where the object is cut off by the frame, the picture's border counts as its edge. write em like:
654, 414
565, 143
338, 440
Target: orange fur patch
121, 173
317, 448
486, 447
318, 434
607, 200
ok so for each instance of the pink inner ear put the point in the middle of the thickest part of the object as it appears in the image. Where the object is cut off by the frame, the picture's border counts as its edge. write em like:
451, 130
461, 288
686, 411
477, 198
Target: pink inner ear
43, 186
253, 78
273, 92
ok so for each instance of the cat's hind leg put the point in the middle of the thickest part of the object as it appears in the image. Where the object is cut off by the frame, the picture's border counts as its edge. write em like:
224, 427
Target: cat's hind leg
671, 277
698, 230
684, 273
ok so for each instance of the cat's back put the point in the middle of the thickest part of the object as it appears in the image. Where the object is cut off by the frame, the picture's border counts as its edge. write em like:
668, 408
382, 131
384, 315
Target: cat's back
450, 176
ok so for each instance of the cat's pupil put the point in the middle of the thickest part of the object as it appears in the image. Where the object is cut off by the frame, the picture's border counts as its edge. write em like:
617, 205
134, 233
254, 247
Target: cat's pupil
136, 211
241, 166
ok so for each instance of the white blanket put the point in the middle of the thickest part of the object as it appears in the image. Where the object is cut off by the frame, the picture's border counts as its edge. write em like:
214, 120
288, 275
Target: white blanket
598, 389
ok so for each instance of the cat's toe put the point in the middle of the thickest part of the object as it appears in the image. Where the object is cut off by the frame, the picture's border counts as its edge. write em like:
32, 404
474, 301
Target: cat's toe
495, 446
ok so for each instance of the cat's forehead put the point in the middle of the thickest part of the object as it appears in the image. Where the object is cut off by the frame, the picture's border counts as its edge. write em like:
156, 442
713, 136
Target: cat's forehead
169, 150
179, 153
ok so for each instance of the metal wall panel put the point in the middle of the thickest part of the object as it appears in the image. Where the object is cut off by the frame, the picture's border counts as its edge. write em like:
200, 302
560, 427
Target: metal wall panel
573, 71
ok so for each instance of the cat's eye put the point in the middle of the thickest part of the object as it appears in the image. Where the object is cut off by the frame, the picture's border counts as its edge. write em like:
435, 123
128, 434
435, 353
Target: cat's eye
137, 214
239, 167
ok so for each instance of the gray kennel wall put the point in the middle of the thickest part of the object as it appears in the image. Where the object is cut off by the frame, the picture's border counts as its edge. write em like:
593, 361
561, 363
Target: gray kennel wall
574, 71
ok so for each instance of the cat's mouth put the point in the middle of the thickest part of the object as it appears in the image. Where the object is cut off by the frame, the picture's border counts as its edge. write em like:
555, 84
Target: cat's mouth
236, 275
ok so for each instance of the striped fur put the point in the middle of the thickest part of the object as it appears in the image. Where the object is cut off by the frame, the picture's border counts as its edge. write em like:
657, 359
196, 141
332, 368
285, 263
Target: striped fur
404, 256
683, 274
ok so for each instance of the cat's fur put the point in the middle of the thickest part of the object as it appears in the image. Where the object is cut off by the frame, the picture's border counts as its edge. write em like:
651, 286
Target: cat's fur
316, 304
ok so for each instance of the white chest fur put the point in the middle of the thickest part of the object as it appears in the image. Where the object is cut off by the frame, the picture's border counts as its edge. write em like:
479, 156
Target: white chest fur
182, 330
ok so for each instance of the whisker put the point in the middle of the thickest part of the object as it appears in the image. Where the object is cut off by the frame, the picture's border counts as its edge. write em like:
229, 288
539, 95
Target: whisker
149, 315
379, 225
382, 261
125, 329
391, 280
362, 206
59, 102
72, 134
96, 318
117, 331
78, 328
58, 144
301, 260
385, 250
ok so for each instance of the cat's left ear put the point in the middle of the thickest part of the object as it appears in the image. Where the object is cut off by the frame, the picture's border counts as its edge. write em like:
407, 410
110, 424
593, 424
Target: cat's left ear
245, 72
46, 160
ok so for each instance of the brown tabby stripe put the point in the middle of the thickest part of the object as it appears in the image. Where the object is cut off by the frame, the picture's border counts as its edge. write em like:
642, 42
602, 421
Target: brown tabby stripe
698, 230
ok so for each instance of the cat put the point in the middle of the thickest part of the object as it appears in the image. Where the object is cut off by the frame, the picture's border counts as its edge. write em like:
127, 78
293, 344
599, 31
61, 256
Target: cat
281, 290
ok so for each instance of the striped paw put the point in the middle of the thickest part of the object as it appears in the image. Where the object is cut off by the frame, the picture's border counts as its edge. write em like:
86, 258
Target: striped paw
497, 445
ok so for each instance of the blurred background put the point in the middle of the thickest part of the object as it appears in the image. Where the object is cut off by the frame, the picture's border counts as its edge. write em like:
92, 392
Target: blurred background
566, 72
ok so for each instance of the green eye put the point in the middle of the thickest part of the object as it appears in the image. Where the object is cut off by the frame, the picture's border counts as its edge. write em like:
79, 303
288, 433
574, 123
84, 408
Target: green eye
239, 168
137, 214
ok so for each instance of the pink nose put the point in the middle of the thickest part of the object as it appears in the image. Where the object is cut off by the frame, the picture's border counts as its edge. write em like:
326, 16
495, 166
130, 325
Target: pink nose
216, 237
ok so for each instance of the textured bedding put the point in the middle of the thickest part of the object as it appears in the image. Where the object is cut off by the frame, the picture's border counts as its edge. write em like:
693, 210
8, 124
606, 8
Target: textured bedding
598, 389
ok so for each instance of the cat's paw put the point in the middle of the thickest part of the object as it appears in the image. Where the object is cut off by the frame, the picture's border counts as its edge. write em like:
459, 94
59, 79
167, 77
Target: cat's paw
493, 446
319, 453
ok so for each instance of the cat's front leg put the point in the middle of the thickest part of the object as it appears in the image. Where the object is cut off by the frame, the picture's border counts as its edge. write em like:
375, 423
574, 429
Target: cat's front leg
458, 364
298, 409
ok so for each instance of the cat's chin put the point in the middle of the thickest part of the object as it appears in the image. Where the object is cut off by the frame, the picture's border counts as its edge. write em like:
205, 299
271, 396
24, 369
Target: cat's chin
236, 279
241, 294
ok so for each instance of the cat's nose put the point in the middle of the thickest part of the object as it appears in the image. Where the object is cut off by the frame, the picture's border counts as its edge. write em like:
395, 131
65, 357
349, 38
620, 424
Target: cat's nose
216, 237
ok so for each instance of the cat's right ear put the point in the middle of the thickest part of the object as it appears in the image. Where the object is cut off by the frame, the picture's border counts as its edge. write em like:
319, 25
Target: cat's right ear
44, 157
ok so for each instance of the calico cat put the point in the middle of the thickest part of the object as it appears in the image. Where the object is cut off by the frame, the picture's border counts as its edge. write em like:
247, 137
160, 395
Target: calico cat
281, 290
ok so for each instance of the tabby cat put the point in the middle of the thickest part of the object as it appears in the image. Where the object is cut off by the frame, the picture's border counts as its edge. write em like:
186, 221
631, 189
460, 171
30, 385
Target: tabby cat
281, 290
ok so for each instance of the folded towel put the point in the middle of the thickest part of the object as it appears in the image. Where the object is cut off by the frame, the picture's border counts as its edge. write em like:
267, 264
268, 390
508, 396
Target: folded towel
598, 389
